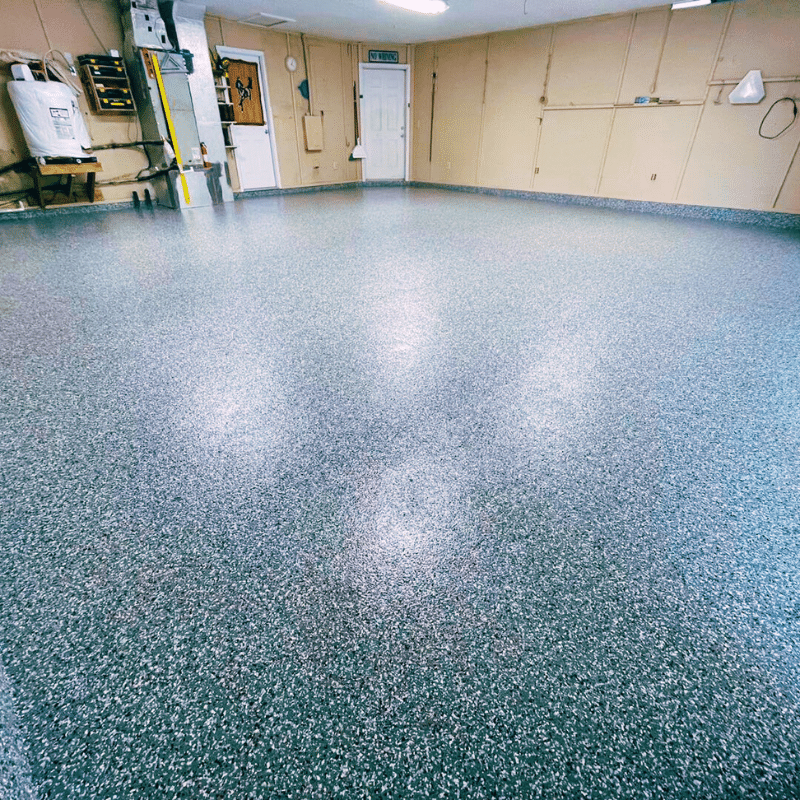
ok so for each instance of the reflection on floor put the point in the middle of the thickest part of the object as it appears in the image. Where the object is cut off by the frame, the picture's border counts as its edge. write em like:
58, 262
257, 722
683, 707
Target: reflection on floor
399, 493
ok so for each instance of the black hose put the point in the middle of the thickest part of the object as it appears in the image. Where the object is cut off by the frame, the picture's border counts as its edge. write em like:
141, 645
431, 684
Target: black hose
123, 145
782, 130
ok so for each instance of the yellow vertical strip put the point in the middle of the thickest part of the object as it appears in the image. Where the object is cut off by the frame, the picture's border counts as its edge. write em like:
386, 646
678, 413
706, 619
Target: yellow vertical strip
171, 127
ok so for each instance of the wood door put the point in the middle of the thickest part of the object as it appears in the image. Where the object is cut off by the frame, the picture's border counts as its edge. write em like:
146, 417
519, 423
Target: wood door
245, 93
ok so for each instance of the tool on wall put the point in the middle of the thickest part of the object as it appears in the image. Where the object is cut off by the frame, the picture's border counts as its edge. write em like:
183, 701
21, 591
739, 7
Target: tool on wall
358, 150
312, 124
307, 92
433, 107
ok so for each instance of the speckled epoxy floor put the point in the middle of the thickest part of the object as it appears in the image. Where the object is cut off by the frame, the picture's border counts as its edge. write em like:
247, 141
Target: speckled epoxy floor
399, 493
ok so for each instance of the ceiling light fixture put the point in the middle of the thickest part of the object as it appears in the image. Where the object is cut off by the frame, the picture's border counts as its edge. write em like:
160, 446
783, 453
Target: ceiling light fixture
420, 6
264, 20
694, 3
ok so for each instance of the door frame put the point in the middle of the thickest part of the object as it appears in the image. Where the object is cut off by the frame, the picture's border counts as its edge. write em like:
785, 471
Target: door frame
362, 67
257, 57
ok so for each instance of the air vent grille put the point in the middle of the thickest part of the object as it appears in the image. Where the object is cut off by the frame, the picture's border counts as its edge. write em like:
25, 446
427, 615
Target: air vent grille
262, 20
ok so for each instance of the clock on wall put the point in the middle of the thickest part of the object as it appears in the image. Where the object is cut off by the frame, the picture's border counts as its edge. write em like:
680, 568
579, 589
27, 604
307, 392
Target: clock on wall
291, 63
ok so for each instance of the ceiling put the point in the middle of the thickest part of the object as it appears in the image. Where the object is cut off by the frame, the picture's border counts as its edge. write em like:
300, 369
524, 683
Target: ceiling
372, 21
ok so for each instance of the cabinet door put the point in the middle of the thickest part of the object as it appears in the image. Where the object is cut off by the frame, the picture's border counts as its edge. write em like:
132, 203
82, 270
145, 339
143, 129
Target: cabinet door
587, 61
460, 71
571, 150
514, 80
731, 165
647, 142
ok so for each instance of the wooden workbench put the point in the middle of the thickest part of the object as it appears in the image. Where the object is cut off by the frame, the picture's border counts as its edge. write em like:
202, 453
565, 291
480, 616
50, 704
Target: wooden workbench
90, 169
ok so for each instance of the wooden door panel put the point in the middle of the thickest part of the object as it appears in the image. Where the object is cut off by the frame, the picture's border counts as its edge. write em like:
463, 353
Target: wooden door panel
245, 93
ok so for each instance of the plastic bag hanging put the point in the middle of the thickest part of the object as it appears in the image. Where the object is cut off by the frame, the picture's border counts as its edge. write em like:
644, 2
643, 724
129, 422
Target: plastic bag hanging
750, 89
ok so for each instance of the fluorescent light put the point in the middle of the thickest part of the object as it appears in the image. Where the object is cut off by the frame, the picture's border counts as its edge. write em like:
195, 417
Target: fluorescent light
421, 6
690, 4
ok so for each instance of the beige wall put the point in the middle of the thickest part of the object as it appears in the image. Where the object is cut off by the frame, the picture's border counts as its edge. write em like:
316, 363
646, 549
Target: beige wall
64, 27
333, 69
547, 109
332, 66
551, 109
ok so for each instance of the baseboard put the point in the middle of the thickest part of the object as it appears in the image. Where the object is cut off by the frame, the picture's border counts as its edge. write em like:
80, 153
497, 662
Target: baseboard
774, 219
317, 187
15, 214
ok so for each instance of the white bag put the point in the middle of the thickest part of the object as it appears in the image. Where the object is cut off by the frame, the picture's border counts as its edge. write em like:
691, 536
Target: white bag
750, 89
51, 119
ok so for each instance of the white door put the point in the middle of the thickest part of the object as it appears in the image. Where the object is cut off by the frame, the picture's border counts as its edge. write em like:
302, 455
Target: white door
253, 156
383, 120
254, 148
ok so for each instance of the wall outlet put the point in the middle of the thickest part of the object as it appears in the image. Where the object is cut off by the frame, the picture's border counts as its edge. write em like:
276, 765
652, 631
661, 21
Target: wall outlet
653, 176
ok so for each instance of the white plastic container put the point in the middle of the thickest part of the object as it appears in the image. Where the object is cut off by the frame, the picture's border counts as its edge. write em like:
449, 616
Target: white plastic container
51, 119
750, 89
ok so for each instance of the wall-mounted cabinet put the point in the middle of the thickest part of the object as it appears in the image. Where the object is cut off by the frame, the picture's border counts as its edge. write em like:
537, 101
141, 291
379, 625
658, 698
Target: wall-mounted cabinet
646, 152
571, 150
512, 108
587, 61
730, 164
107, 85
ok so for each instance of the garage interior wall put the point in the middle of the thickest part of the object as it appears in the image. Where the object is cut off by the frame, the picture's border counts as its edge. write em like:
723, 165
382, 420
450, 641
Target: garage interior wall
65, 25
547, 109
333, 69
552, 109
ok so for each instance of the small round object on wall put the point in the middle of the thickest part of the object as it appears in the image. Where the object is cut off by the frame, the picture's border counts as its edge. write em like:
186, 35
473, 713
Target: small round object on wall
291, 63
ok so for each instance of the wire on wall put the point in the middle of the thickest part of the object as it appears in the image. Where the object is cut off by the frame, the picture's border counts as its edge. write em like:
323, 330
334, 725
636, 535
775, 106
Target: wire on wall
769, 111
41, 22
308, 77
89, 22
433, 109
654, 85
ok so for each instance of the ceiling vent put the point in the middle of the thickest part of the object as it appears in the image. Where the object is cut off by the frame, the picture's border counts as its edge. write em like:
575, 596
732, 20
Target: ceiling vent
262, 20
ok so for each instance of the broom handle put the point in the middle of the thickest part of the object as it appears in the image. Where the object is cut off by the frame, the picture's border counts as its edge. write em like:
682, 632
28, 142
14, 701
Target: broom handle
355, 109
